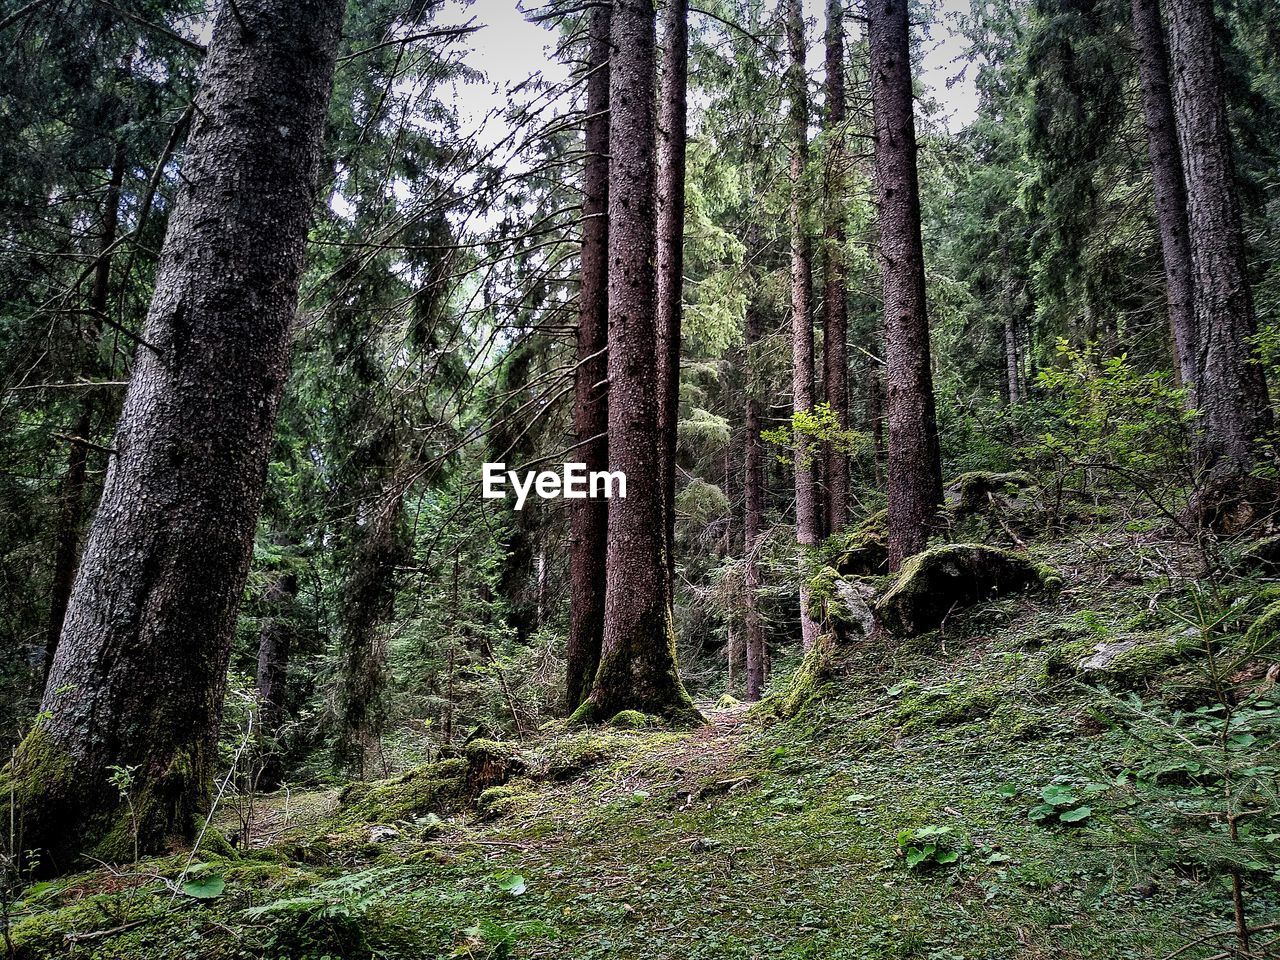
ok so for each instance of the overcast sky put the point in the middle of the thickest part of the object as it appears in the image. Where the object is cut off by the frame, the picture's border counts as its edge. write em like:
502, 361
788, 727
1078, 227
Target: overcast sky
509, 49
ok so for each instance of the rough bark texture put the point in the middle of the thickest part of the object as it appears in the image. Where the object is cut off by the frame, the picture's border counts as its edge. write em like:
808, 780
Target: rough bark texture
139, 673
75, 481
367, 606
275, 646
835, 348
1231, 392
915, 472
672, 120
807, 518
753, 522
638, 659
590, 395
1168, 187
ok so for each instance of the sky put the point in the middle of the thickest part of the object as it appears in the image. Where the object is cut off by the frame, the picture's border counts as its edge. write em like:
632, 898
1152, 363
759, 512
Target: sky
510, 48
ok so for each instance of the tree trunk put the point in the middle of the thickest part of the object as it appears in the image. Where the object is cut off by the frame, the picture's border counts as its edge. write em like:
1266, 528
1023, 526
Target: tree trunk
835, 348
915, 471
672, 119
589, 517
368, 605
1168, 187
275, 645
638, 658
1231, 392
1012, 363
801, 311
139, 674
753, 523
75, 482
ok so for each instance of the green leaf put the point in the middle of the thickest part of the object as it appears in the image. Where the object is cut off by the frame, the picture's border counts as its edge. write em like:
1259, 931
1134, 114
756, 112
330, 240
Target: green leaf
1058, 795
947, 856
1041, 811
512, 883
1076, 815
205, 888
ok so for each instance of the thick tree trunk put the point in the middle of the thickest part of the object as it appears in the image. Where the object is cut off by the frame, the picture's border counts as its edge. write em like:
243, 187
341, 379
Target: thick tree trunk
75, 482
1231, 393
915, 471
139, 673
875, 416
753, 512
638, 659
672, 119
835, 348
589, 517
807, 518
1168, 186
275, 646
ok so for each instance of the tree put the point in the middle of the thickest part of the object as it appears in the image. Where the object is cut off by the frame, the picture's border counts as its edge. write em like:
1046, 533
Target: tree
835, 349
638, 660
139, 673
1168, 186
807, 517
275, 648
1231, 394
915, 470
672, 134
590, 399
757, 653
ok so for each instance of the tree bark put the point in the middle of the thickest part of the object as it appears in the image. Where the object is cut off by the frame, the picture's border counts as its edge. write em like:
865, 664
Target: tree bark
753, 512
672, 133
835, 348
915, 471
139, 674
367, 607
75, 481
1168, 187
1012, 360
275, 646
638, 658
587, 544
1235, 410
807, 518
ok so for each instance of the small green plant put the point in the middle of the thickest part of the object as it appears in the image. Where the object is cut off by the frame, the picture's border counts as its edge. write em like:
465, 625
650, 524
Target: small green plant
1061, 804
929, 846
122, 778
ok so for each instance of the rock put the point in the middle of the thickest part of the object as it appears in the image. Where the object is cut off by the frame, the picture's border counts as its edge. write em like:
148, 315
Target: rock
1138, 655
382, 834
952, 577
982, 490
727, 701
629, 720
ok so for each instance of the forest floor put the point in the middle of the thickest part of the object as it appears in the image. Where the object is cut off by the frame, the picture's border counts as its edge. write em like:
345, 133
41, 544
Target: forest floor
893, 816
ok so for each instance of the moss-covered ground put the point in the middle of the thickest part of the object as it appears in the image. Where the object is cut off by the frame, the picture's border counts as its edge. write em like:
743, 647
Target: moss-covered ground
758, 836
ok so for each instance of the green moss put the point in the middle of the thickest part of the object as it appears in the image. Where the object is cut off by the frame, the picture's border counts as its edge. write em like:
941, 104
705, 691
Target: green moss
815, 669
1262, 636
727, 701
630, 720
497, 802
435, 788
934, 583
975, 488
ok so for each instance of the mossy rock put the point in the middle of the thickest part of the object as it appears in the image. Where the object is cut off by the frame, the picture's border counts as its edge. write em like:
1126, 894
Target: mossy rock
497, 802
860, 552
1137, 656
727, 701
980, 490
630, 720
951, 577
435, 788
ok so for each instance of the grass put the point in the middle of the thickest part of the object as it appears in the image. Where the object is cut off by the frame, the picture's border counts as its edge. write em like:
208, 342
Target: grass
752, 837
